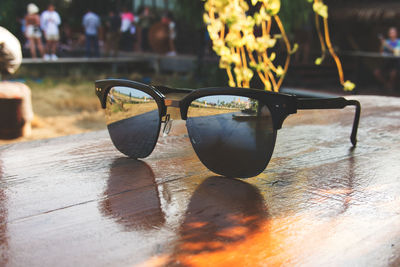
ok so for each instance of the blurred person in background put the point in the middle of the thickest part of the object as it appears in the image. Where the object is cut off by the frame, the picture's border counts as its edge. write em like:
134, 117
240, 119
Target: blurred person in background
113, 34
146, 18
50, 21
390, 46
91, 23
127, 19
13, 122
168, 20
32, 30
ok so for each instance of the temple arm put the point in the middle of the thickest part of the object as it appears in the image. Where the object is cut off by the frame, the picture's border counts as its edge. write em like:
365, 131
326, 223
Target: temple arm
333, 103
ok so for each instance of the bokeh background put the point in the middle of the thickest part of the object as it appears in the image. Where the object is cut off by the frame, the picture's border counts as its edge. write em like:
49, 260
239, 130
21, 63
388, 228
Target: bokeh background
63, 94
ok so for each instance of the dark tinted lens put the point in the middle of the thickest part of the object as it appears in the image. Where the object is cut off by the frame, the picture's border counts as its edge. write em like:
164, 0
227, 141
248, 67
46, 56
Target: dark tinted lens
232, 135
133, 121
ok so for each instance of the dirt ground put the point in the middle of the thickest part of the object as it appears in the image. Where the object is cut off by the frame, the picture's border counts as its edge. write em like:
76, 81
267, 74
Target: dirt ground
63, 108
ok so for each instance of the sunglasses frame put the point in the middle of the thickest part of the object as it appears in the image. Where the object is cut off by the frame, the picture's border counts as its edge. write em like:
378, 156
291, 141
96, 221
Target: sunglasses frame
280, 105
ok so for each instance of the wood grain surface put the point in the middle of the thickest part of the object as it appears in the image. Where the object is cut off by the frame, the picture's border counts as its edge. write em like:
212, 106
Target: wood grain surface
76, 201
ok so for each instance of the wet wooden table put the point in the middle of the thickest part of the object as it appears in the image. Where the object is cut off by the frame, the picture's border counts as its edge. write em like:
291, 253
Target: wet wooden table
75, 201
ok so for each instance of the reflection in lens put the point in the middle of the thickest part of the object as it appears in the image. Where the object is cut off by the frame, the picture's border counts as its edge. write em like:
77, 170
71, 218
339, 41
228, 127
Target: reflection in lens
232, 135
133, 121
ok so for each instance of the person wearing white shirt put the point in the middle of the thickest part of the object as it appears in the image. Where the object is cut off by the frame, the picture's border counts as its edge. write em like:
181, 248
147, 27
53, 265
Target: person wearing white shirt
91, 23
49, 22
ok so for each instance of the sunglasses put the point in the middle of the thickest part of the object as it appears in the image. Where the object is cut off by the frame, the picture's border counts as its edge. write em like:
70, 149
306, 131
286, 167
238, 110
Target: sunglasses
232, 130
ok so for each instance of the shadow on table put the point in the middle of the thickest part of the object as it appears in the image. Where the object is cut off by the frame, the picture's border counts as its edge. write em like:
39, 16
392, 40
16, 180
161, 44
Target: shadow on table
221, 211
132, 197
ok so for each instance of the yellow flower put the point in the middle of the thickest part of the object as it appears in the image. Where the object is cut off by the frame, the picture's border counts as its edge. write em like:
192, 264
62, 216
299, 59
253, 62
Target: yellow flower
250, 41
348, 86
206, 18
273, 6
258, 19
264, 15
265, 42
244, 5
272, 56
224, 64
280, 71
268, 86
321, 9
231, 38
236, 59
295, 48
225, 51
207, 5
318, 61
248, 74
232, 29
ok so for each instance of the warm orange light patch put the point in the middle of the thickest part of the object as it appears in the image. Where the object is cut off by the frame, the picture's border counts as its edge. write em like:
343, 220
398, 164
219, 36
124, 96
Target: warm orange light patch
156, 261
243, 220
196, 224
294, 240
233, 231
199, 246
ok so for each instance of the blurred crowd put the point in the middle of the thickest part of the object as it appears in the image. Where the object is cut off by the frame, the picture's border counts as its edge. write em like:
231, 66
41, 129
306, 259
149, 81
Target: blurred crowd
45, 36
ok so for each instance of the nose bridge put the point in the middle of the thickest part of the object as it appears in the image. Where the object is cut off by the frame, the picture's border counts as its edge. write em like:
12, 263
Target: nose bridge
173, 109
